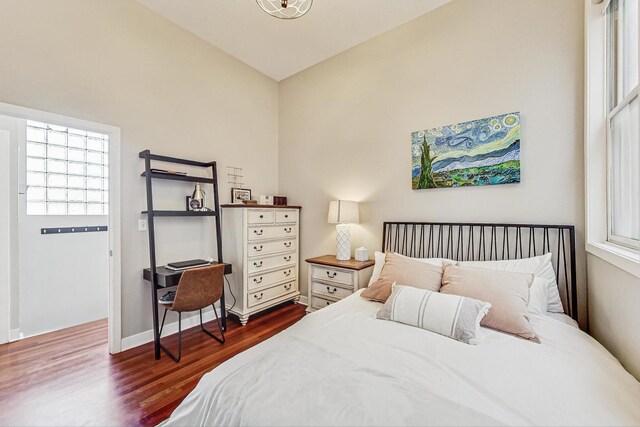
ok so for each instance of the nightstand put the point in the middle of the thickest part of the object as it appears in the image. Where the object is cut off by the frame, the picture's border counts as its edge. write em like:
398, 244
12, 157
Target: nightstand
331, 280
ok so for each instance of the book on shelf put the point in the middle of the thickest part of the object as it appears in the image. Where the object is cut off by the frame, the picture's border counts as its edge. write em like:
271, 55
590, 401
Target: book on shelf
168, 172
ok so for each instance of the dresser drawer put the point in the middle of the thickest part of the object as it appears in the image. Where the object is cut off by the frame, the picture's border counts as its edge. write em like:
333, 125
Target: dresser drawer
267, 263
266, 279
330, 291
329, 274
259, 297
263, 248
283, 216
318, 303
260, 217
271, 232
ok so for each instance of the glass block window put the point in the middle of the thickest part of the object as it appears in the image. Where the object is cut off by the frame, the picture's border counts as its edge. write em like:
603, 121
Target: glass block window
67, 171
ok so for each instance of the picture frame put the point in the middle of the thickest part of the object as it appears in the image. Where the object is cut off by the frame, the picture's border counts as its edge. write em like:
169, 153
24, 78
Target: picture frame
238, 195
189, 205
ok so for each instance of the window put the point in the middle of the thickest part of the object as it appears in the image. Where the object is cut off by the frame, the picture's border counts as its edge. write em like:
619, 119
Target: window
67, 171
623, 117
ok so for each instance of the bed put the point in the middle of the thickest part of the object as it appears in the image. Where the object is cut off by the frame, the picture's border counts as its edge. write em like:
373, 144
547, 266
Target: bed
341, 366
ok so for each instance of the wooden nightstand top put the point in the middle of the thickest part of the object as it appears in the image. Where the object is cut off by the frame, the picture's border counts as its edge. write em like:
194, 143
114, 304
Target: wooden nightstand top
331, 260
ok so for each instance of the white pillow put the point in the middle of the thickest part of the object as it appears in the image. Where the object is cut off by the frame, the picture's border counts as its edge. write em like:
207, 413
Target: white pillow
380, 257
539, 266
453, 316
538, 296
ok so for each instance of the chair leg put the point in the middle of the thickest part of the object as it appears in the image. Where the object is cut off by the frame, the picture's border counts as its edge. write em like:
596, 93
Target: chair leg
220, 340
166, 350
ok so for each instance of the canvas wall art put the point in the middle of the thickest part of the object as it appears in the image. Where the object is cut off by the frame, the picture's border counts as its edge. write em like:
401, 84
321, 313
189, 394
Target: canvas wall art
479, 152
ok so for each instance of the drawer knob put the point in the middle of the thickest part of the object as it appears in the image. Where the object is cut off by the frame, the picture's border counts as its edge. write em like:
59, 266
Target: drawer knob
288, 286
328, 303
287, 244
286, 216
257, 279
258, 233
258, 297
261, 216
331, 275
287, 258
332, 291
287, 230
287, 273
257, 264
257, 248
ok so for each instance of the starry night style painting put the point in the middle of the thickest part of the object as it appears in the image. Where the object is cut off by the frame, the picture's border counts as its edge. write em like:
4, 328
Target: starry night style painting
479, 152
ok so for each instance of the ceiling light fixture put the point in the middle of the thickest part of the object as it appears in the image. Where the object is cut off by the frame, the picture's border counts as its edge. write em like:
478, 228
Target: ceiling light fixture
285, 9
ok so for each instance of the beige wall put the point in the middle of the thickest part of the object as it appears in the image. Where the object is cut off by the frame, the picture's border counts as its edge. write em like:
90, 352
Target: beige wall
116, 62
613, 315
345, 124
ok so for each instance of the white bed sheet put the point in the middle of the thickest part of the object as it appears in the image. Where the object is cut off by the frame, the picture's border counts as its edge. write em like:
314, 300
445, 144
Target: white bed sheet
341, 366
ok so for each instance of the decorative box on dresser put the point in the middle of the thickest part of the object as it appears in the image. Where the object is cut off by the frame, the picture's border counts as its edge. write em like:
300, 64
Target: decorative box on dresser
331, 280
261, 243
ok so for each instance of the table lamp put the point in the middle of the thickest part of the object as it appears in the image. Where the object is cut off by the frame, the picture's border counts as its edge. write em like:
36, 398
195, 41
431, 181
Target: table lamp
342, 213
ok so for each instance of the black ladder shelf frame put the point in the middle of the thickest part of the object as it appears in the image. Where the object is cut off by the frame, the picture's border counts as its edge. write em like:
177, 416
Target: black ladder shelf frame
151, 214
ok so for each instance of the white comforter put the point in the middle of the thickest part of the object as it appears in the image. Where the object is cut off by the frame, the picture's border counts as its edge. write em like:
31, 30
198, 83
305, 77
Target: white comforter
340, 366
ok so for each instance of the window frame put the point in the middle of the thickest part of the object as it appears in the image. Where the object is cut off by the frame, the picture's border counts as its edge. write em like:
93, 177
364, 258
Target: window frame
612, 76
596, 154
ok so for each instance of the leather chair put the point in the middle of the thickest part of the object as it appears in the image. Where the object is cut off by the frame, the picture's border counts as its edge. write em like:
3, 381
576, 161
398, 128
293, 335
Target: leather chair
198, 288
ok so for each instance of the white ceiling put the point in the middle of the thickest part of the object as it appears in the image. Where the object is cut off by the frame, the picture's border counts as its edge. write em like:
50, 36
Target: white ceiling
280, 48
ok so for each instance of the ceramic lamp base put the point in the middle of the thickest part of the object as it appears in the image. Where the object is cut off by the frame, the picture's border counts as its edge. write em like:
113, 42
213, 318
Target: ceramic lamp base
343, 242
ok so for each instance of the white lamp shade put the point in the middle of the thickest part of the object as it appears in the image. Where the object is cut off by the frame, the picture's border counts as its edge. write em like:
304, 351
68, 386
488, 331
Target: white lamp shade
343, 212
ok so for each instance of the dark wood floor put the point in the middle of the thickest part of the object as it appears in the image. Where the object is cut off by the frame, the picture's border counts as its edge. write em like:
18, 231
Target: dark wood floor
68, 377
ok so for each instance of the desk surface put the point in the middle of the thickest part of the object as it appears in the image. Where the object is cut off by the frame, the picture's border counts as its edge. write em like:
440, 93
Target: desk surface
166, 278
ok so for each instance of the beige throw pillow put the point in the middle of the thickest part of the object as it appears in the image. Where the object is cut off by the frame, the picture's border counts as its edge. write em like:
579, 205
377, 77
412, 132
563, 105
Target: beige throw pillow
507, 292
403, 270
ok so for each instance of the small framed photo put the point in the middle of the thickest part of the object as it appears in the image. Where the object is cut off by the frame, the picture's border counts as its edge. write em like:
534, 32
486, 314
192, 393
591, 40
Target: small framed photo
239, 195
194, 205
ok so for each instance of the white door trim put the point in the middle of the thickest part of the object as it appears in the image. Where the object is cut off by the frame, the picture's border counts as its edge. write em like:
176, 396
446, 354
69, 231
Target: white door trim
5, 238
115, 284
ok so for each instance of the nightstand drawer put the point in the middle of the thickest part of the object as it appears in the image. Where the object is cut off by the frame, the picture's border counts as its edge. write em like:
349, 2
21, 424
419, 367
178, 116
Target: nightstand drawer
266, 279
286, 216
260, 248
329, 274
260, 217
271, 232
259, 297
330, 290
318, 303
267, 263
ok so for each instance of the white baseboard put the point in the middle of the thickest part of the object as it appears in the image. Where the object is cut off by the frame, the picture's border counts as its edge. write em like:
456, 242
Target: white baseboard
169, 329
304, 300
15, 335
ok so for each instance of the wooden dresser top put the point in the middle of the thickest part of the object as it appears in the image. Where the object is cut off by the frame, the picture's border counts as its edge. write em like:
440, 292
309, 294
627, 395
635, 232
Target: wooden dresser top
331, 260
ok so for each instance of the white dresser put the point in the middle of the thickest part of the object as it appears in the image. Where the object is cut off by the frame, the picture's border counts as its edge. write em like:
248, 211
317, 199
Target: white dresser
331, 280
261, 242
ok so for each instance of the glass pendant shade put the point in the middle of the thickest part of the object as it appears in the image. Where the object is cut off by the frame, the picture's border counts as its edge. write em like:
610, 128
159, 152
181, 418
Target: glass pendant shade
285, 9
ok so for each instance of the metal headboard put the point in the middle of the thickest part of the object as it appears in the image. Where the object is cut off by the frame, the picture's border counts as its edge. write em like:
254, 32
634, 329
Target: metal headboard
488, 242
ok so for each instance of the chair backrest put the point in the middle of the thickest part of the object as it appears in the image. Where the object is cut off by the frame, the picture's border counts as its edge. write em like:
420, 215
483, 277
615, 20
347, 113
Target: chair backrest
199, 288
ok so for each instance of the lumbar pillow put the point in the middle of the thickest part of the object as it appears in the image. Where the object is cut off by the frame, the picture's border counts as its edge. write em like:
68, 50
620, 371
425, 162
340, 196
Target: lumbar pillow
403, 270
380, 258
450, 315
507, 292
539, 266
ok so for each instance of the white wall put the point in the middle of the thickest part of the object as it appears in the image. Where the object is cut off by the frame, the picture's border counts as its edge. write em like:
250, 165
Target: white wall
345, 124
614, 319
116, 62
63, 278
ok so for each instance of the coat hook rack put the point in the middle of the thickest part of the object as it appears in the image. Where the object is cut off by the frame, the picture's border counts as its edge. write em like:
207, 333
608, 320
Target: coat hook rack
80, 229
